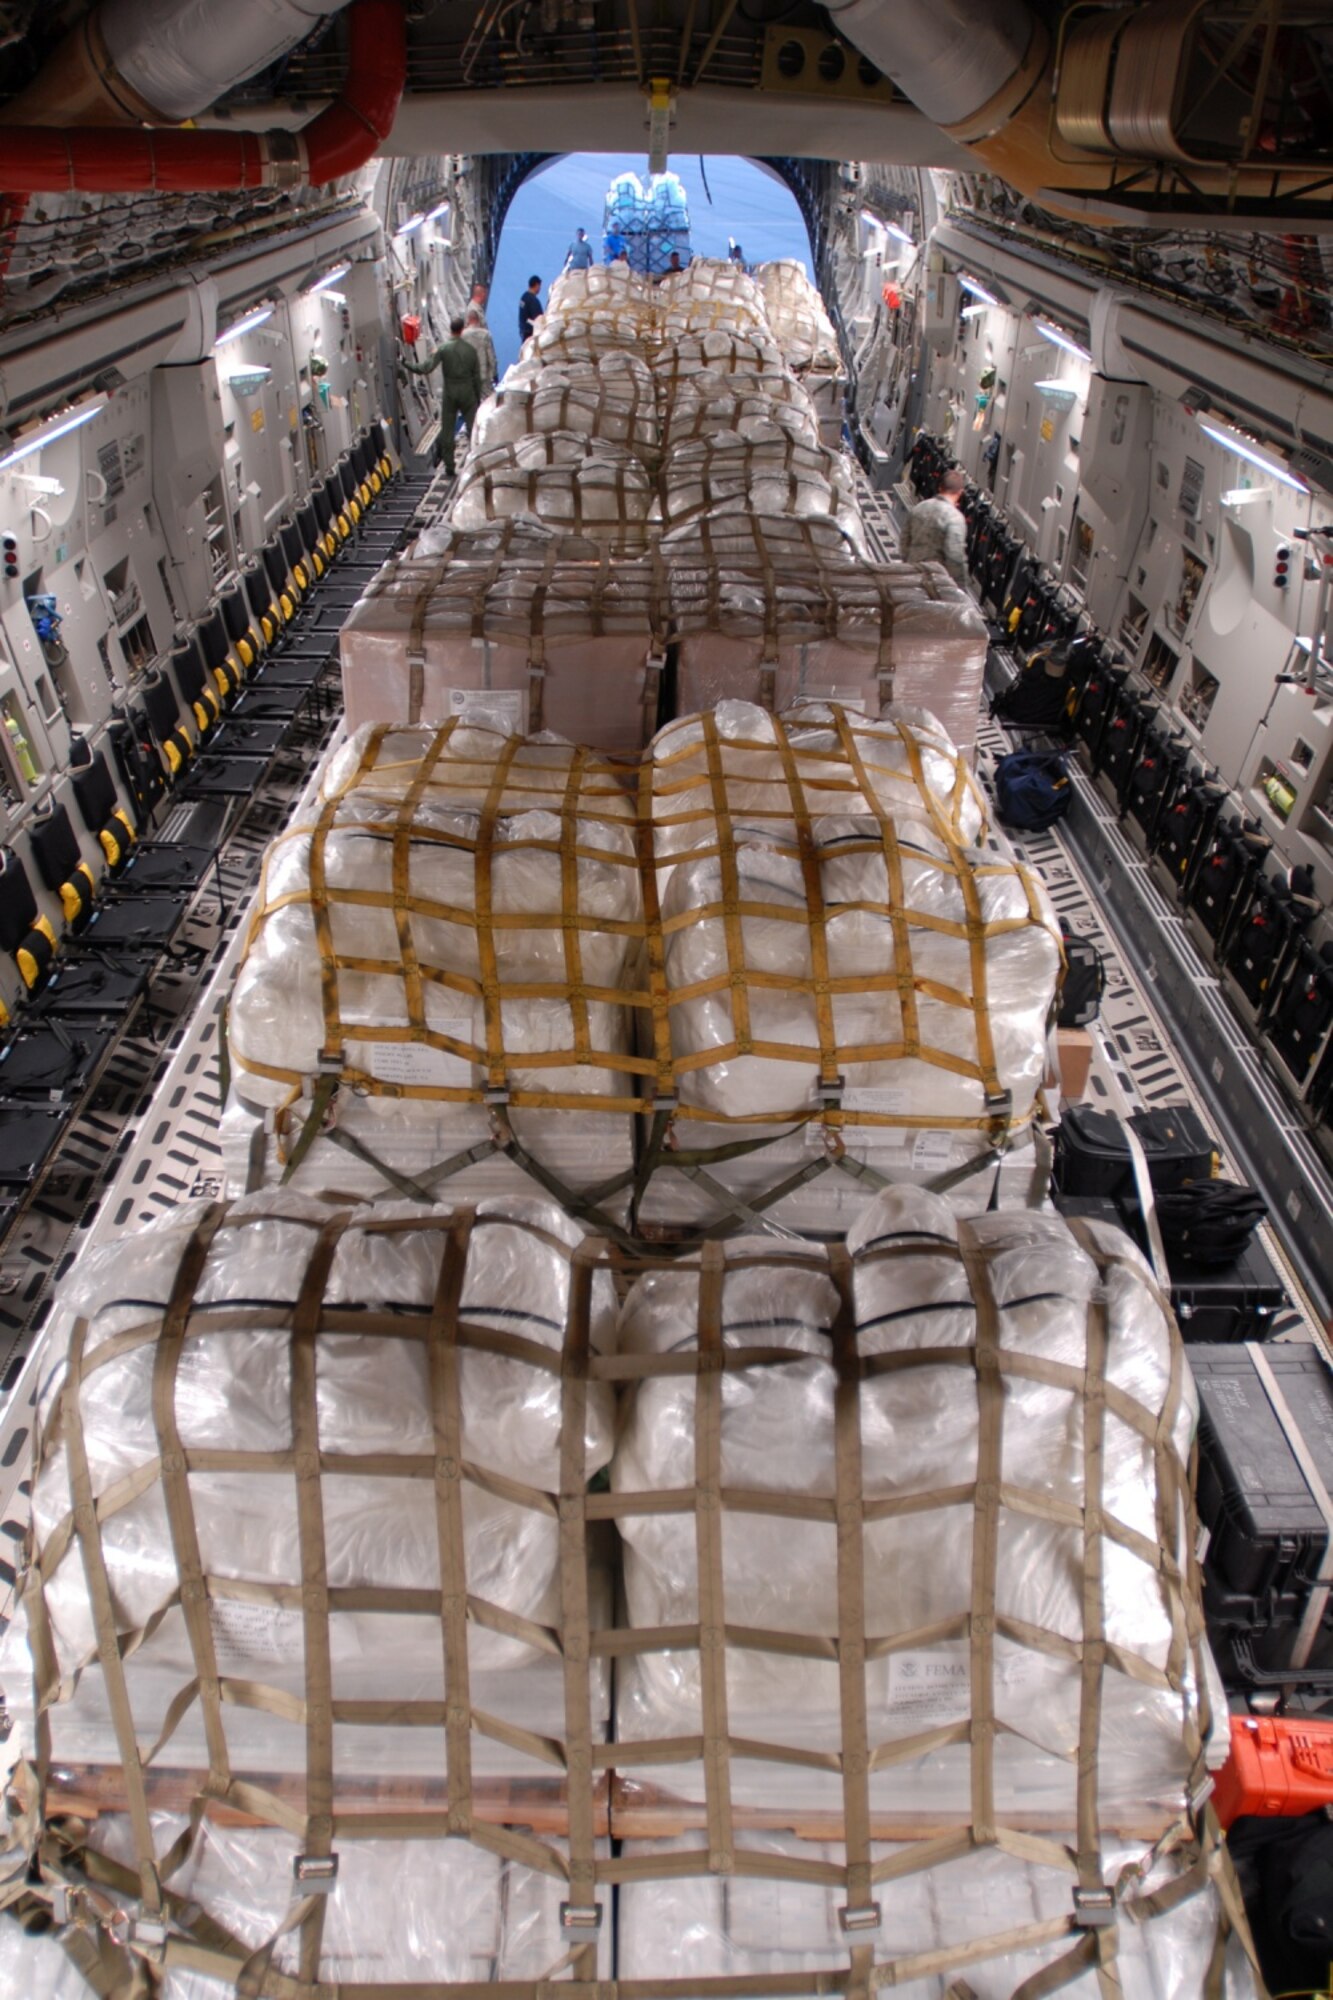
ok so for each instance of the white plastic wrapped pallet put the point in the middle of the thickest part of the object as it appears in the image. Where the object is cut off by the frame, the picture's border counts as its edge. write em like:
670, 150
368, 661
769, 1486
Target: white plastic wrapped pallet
520, 627
712, 1928
611, 398
847, 978
429, 1913
951, 1637
612, 285
896, 628
585, 483
460, 917
768, 473
231, 1403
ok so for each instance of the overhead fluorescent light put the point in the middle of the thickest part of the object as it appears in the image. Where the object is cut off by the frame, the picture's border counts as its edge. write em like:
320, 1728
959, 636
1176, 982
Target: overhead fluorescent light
1058, 338
434, 214
978, 291
889, 228
412, 224
246, 325
1233, 441
54, 427
974, 312
329, 278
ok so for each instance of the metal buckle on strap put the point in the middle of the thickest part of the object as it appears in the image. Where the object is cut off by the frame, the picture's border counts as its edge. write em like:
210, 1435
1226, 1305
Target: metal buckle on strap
1094, 1909
866, 1917
496, 1095
146, 1935
581, 1916
317, 1874
830, 1090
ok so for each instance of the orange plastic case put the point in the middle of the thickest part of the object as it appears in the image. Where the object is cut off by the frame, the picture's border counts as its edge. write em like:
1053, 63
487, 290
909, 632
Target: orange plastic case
1279, 1765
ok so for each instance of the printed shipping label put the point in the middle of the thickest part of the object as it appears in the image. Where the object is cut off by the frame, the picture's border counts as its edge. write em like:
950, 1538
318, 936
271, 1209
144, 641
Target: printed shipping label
413, 1062
488, 708
932, 1152
244, 1634
935, 1686
881, 1097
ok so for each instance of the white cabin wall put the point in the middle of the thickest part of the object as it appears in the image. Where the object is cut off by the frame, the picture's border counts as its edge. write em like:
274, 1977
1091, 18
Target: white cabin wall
1130, 460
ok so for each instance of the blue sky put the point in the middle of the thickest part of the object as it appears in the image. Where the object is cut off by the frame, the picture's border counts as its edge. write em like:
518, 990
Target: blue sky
747, 203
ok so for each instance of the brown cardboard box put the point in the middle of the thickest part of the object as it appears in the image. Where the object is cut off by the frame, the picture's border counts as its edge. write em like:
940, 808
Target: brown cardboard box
1074, 1061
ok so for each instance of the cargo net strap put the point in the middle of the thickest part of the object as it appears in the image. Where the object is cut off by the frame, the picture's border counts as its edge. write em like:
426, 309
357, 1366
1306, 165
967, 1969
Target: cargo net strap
325, 1808
577, 943
563, 817
517, 594
688, 797
596, 407
784, 595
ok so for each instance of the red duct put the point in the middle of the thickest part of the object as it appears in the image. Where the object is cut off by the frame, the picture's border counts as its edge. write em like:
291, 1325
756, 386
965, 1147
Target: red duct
40, 159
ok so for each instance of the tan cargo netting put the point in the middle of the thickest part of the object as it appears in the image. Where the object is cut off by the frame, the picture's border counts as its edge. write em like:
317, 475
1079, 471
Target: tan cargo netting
1063, 1512
787, 930
454, 872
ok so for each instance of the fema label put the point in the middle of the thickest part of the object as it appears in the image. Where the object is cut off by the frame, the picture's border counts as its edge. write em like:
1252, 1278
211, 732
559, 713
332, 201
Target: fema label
488, 708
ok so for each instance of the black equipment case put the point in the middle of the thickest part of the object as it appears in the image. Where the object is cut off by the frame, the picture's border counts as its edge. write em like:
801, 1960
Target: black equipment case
1267, 1531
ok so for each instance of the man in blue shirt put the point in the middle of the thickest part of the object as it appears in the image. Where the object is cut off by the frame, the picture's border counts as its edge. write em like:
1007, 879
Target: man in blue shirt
614, 247
580, 253
530, 309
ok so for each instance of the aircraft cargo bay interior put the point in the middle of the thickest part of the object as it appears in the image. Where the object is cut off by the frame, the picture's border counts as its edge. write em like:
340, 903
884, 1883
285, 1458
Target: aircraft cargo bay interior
666, 999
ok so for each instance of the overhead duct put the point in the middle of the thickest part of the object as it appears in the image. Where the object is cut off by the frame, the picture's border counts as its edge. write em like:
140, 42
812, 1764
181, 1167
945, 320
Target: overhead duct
157, 62
1068, 120
38, 159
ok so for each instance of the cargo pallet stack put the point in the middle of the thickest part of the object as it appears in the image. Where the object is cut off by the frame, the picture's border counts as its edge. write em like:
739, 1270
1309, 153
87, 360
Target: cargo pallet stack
632, 1489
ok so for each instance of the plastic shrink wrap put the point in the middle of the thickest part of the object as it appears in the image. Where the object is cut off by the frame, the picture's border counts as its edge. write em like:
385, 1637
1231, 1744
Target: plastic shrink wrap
811, 870
460, 918
520, 627
611, 399
710, 405
805, 334
611, 285
584, 483
740, 768
716, 281
750, 360
582, 334
886, 631
711, 1928
131, 1398
769, 475
972, 1482
430, 1913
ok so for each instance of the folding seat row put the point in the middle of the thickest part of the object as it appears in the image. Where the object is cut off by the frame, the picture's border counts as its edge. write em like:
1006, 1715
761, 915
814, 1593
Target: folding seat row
93, 895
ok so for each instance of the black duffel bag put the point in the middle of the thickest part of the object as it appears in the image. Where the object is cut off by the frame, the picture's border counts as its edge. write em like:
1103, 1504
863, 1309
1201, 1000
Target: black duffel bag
1210, 1222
